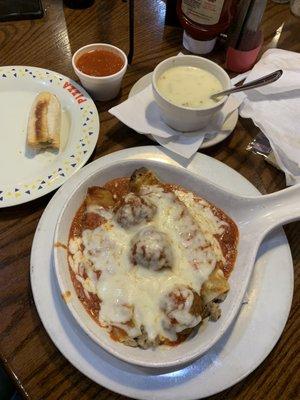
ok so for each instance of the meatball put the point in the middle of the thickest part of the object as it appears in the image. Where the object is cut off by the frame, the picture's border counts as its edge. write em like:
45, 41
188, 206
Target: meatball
134, 210
151, 249
182, 307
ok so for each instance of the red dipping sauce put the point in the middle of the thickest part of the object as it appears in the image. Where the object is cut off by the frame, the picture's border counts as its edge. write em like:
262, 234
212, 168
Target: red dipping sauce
99, 63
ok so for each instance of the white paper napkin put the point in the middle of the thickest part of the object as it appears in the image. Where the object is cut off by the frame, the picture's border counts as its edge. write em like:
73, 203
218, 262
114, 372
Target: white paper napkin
275, 108
141, 114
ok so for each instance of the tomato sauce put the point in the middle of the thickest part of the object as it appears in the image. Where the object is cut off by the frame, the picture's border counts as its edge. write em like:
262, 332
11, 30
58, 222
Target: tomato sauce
99, 63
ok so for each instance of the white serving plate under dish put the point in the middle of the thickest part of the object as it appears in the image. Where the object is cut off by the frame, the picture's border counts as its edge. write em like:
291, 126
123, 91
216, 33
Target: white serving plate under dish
26, 174
231, 359
254, 217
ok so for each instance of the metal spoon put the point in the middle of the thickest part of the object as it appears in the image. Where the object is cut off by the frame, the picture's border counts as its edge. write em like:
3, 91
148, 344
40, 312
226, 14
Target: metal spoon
264, 80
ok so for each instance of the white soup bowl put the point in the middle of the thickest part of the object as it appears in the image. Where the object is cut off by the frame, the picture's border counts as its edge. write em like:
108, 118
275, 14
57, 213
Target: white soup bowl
188, 119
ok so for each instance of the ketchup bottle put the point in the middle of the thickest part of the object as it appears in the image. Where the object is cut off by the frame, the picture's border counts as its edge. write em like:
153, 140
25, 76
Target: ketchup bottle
203, 21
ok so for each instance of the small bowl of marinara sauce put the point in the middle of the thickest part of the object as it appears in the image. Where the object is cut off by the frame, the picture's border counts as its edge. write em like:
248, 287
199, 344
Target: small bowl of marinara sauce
100, 68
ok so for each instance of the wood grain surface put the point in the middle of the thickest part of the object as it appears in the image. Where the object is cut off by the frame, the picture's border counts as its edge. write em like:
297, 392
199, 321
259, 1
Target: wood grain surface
38, 368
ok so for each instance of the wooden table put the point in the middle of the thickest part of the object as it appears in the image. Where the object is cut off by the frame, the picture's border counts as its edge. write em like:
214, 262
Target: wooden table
37, 367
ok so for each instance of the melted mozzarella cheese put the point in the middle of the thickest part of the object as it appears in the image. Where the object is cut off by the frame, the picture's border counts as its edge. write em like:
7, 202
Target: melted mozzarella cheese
131, 295
210, 224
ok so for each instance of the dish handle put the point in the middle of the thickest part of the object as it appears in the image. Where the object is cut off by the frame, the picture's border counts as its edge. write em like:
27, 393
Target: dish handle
277, 208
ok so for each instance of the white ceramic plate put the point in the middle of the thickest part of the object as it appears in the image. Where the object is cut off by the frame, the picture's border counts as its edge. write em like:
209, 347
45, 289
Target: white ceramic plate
25, 174
237, 354
210, 140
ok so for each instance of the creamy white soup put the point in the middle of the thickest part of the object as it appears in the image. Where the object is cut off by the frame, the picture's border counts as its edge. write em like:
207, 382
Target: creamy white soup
189, 86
